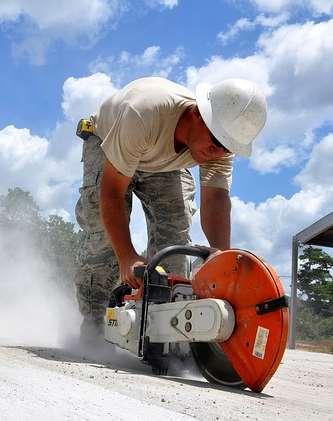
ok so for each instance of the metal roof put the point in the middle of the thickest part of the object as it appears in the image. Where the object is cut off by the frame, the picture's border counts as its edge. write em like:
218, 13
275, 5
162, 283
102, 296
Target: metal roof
319, 234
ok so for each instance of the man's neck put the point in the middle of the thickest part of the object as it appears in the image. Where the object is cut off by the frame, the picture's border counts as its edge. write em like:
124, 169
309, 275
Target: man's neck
181, 131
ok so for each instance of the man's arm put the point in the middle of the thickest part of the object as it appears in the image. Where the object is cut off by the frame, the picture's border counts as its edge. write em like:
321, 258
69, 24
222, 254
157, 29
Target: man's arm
115, 217
215, 210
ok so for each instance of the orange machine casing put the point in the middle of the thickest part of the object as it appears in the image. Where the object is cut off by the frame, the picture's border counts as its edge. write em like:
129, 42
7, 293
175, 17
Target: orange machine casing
256, 347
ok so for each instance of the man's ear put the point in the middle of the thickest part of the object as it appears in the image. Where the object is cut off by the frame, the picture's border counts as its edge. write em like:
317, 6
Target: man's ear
197, 112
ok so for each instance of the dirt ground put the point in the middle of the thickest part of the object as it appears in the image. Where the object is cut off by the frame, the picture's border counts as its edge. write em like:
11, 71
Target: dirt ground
39, 383
325, 346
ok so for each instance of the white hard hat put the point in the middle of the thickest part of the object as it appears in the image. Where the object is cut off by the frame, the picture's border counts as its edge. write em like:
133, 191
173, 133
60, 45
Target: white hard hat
234, 111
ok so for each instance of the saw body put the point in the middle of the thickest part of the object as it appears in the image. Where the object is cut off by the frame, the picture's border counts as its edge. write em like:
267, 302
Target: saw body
206, 320
232, 316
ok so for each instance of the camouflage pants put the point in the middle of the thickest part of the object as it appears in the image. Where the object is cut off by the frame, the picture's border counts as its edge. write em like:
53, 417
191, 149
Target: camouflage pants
168, 203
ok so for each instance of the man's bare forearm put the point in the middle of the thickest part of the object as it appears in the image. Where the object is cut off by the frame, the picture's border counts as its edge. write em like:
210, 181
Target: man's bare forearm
115, 218
215, 216
114, 212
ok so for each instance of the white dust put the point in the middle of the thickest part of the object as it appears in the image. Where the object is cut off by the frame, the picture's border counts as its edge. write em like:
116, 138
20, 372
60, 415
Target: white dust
39, 310
35, 308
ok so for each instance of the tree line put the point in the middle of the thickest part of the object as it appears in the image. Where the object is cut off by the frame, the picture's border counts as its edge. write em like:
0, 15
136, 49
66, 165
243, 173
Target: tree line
51, 239
315, 295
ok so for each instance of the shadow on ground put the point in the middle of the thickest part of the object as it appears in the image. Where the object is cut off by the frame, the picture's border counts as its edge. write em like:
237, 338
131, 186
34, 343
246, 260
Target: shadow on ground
105, 356
108, 356
204, 384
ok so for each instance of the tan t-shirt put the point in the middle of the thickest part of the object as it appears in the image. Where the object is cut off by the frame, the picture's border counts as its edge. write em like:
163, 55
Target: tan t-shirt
137, 126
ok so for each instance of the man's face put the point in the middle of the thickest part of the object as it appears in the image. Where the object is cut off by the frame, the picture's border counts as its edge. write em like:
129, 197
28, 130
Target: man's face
203, 145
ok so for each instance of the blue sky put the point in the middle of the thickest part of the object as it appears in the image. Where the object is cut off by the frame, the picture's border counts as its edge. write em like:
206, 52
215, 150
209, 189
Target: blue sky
60, 60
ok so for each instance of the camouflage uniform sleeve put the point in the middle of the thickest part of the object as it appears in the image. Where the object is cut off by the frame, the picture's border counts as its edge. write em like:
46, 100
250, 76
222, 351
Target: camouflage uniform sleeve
218, 172
126, 141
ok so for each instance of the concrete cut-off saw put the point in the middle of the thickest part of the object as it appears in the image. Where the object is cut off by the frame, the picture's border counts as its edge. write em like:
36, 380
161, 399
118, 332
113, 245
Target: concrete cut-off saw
232, 315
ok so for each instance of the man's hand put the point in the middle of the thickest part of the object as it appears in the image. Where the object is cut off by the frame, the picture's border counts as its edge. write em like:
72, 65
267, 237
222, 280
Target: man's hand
126, 266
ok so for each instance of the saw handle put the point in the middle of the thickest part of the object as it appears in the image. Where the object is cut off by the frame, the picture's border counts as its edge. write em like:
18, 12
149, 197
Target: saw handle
196, 251
139, 271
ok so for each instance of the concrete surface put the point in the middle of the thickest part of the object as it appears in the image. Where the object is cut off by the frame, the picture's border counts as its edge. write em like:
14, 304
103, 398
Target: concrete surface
53, 384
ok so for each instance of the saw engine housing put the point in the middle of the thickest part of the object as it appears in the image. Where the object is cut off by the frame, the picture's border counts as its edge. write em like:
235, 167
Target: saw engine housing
206, 320
232, 313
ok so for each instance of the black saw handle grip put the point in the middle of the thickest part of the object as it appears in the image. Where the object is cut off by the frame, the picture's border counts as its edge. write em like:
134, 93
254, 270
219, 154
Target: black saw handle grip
196, 251
139, 271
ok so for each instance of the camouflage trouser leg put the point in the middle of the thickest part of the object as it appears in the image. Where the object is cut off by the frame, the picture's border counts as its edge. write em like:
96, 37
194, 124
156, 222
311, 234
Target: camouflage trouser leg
167, 199
98, 271
168, 202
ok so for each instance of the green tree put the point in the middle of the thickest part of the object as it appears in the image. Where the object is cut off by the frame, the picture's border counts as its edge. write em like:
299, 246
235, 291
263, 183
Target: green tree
54, 240
20, 222
61, 244
18, 207
315, 280
307, 322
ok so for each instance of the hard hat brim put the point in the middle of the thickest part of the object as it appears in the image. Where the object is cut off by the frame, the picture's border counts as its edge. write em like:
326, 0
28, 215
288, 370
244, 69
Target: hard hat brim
202, 93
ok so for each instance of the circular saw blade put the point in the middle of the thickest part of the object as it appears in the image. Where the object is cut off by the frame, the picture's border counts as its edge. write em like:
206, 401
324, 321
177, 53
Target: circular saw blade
214, 364
247, 283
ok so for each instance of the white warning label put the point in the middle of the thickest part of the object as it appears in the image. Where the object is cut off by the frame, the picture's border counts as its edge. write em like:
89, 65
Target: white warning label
260, 342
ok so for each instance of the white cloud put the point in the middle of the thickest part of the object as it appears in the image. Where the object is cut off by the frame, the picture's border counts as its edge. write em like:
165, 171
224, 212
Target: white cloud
272, 160
55, 14
267, 228
217, 68
129, 66
50, 168
43, 22
322, 6
271, 21
170, 4
82, 96
317, 7
75, 22
273, 5
300, 58
293, 65
24, 162
148, 57
319, 169
245, 24
19, 148
34, 48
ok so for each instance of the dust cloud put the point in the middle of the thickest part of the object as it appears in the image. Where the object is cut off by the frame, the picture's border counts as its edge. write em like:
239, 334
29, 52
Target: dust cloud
39, 310
35, 308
